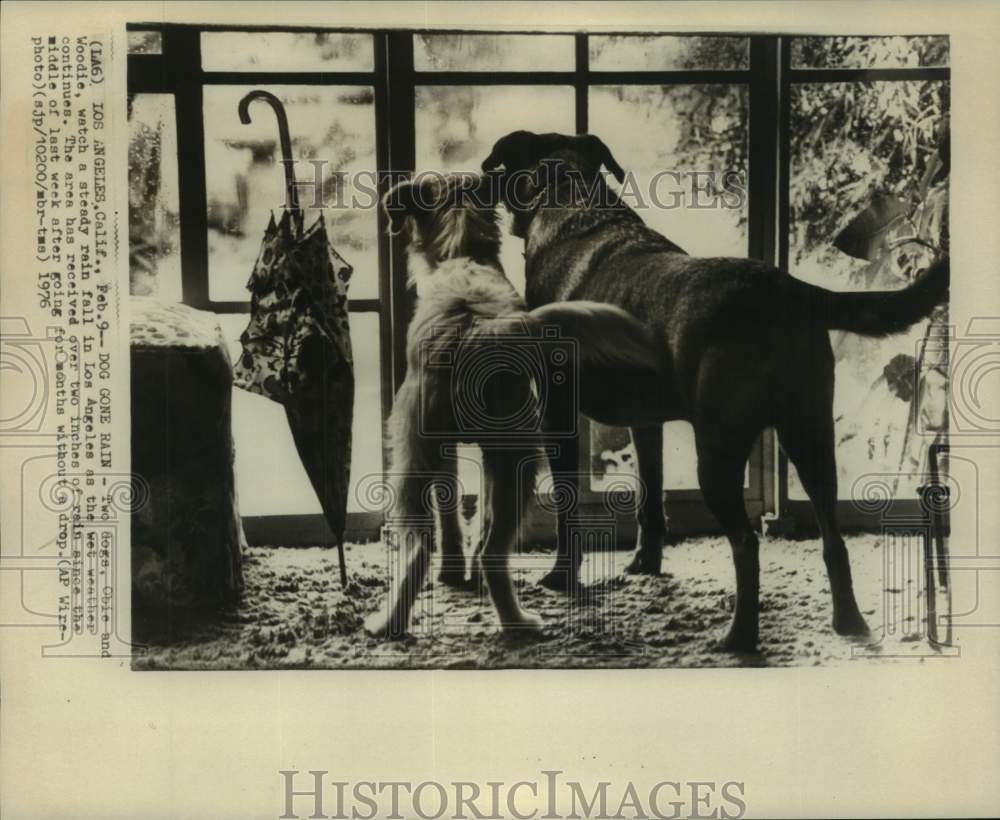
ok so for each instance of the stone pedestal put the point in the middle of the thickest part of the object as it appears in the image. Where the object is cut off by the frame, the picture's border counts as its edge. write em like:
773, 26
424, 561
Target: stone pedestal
187, 541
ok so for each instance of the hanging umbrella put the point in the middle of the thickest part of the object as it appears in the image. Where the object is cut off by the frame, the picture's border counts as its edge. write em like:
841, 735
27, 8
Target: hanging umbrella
297, 346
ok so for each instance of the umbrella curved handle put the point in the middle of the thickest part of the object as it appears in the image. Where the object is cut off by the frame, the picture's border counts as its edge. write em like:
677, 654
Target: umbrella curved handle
291, 193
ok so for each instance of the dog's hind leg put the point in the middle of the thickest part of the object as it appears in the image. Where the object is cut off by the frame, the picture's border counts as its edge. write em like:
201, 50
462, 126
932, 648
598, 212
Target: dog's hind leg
652, 521
808, 440
721, 466
447, 502
506, 499
477, 582
564, 462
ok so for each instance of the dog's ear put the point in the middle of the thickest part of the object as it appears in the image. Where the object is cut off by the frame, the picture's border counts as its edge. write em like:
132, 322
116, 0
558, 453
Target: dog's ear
515, 152
522, 150
399, 202
593, 147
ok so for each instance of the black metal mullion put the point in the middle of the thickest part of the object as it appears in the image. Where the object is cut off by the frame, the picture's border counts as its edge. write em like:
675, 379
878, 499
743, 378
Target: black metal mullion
679, 77
784, 150
250, 28
159, 25
784, 214
581, 88
364, 305
182, 54
493, 77
762, 207
147, 75
857, 75
400, 90
762, 149
353, 305
383, 163
288, 77
581, 83
475, 78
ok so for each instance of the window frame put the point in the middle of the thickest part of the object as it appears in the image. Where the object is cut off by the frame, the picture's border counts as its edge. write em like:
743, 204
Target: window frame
797, 514
768, 77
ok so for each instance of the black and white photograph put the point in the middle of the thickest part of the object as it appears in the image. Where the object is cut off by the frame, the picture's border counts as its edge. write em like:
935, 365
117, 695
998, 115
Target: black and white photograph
463, 409
484, 349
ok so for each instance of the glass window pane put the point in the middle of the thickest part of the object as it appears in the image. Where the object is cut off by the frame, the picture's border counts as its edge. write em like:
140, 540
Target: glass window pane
681, 144
869, 148
270, 479
154, 231
366, 453
659, 52
456, 127
145, 42
493, 52
613, 459
286, 51
333, 140
869, 52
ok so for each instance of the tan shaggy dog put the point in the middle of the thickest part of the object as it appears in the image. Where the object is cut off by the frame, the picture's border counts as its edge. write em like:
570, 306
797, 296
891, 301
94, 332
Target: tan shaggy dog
467, 382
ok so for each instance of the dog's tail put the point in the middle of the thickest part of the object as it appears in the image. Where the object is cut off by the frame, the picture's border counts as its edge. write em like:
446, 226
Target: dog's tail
608, 338
875, 313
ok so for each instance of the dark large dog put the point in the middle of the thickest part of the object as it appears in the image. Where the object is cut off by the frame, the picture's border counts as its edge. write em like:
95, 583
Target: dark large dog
745, 348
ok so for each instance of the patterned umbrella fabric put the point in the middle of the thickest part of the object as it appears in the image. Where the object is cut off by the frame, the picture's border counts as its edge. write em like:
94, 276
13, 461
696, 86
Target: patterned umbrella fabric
297, 346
